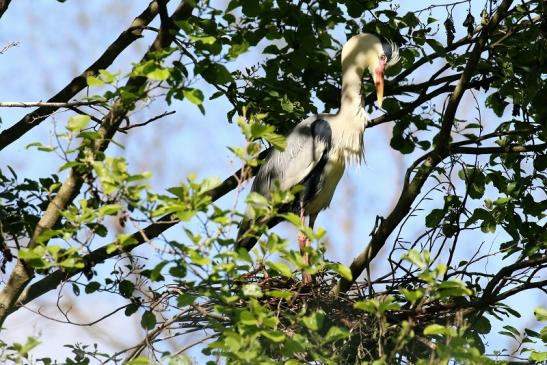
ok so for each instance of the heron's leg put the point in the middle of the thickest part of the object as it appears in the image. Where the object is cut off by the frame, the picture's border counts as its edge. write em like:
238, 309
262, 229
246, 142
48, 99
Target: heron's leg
303, 242
307, 278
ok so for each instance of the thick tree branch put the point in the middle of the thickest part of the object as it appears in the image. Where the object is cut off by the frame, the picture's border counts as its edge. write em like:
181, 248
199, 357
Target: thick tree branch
489, 292
412, 190
33, 104
51, 281
4, 6
22, 273
526, 286
77, 84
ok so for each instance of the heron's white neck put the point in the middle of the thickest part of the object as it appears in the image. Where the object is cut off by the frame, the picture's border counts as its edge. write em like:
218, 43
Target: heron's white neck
351, 105
351, 119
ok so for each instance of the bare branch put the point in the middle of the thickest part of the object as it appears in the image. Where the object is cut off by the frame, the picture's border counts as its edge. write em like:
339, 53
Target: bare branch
153, 119
527, 286
497, 150
489, 290
77, 84
33, 104
8, 46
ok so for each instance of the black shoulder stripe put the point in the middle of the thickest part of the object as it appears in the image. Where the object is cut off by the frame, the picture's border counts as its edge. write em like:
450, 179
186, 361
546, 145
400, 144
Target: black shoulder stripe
321, 130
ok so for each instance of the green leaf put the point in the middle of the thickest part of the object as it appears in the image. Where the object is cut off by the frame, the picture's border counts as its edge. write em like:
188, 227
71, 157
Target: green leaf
482, 325
194, 96
453, 288
23, 350
343, 271
436, 45
414, 257
314, 321
107, 76
388, 304
368, 305
159, 74
513, 330
131, 309
280, 268
94, 81
412, 295
292, 218
78, 122
75, 289
148, 320
274, 336
247, 318
126, 288
286, 104
205, 40
237, 49
256, 200
92, 287
250, 8
538, 356
139, 361
280, 294
436, 329
277, 140
336, 333
109, 209
214, 73
433, 219
496, 103
541, 314
252, 290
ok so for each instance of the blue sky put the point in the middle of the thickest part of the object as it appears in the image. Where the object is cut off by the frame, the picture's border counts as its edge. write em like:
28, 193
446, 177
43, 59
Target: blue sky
59, 40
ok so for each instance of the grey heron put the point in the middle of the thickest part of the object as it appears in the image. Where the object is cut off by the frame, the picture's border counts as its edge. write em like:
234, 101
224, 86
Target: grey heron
319, 147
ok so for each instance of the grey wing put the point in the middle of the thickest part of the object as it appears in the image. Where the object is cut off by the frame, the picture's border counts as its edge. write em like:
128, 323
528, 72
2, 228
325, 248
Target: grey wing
306, 145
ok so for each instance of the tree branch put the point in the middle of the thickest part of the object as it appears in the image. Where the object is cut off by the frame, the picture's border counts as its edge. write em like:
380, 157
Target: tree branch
77, 84
22, 273
33, 104
497, 150
153, 119
4, 6
488, 292
51, 281
526, 286
8, 46
412, 190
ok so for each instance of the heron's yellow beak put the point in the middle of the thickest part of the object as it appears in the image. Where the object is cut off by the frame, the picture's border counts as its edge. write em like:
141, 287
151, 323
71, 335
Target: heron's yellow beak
379, 81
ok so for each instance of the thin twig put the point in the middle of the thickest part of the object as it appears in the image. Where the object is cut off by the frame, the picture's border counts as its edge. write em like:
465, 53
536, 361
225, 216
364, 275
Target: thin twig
32, 104
125, 129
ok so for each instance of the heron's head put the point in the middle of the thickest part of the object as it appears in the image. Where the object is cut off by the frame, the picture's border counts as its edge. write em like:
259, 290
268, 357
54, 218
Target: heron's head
372, 52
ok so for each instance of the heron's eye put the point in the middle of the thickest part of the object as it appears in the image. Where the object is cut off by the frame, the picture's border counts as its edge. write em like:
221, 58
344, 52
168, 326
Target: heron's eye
383, 58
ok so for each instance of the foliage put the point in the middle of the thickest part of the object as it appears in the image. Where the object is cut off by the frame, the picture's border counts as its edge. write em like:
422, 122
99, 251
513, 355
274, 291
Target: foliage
469, 180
